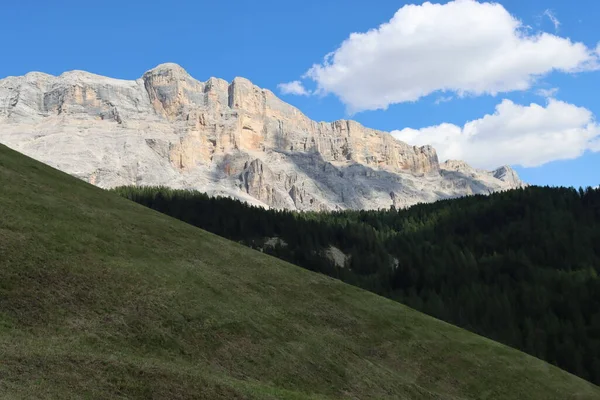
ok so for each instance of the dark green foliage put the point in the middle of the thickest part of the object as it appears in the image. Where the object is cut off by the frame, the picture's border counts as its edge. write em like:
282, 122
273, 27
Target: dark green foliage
519, 267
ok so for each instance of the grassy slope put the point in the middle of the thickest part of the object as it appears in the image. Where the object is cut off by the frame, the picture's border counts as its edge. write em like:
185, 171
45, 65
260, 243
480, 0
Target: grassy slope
103, 298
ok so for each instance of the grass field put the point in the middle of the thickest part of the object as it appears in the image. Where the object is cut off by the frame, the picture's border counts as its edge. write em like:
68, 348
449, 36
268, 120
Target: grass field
102, 298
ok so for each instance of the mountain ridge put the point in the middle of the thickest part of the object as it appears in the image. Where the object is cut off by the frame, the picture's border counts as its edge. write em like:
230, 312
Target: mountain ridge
225, 138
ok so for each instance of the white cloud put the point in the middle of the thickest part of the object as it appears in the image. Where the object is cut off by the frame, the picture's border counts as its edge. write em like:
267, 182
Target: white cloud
294, 87
595, 144
443, 99
547, 92
463, 46
516, 135
548, 13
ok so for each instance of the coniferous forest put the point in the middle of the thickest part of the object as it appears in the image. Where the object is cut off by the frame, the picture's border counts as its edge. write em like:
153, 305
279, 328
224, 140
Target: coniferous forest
520, 267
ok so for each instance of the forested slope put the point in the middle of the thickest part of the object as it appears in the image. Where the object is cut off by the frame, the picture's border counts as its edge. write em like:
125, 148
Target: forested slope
519, 266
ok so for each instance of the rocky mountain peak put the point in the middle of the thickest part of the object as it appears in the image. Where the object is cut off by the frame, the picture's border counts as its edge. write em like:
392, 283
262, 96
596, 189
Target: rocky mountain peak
506, 174
455, 165
35, 75
229, 138
170, 69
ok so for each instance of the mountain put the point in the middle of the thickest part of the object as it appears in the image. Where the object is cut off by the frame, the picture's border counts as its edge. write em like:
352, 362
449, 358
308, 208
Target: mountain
233, 139
103, 298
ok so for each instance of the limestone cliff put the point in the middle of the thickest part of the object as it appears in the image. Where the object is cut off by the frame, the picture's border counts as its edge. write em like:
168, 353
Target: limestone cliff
232, 139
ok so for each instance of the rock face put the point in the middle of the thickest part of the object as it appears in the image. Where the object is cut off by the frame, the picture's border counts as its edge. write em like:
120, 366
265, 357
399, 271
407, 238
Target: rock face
231, 139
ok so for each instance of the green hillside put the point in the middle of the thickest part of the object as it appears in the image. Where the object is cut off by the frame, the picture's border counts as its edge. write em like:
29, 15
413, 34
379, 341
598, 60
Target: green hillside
519, 267
103, 298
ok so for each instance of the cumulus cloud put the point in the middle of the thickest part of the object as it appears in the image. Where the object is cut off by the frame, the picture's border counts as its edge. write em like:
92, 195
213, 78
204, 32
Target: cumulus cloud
514, 134
463, 46
294, 87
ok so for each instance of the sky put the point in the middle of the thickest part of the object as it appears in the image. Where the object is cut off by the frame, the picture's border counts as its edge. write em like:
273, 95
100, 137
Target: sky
507, 83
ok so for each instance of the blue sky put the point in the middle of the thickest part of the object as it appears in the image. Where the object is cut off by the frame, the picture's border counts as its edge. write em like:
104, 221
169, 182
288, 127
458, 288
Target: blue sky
273, 42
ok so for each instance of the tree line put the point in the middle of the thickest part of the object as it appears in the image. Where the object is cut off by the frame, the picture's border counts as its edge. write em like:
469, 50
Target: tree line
520, 267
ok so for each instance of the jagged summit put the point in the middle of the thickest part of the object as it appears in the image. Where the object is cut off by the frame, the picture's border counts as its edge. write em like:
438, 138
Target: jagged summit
507, 174
243, 81
227, 138
455, 165
37, 75
172, 68
167, 66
